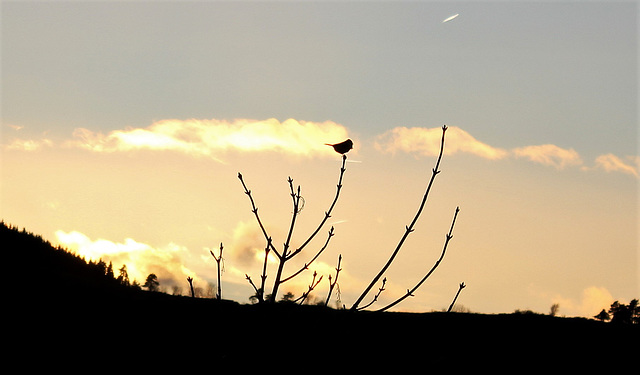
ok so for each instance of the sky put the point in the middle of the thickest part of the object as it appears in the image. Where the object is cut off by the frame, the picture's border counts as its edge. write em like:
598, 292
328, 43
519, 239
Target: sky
124, 126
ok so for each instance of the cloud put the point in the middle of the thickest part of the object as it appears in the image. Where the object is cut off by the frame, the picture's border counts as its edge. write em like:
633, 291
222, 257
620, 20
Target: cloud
426, 142
28, 144
211, 138
141, 259
247, 245
550, 155
592, 301
612, 163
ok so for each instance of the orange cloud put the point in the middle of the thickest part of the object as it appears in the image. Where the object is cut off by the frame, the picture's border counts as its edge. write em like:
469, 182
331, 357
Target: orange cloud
549, 154
211, 138
612, 163
426, 142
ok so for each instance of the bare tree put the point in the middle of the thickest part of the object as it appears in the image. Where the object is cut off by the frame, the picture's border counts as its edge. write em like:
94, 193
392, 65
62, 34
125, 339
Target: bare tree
286, 253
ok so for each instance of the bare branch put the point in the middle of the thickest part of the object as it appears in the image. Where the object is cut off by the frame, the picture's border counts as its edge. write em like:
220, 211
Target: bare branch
327, 214
408, 229
335, 281
190, 280
246, 276
306, 265
254, 209
218, 260
285, 256
264, 270
312, 286
456, 297
409, 293
296, 200
375, 298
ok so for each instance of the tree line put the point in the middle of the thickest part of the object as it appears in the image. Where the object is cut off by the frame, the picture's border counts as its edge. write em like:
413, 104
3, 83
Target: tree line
620, 313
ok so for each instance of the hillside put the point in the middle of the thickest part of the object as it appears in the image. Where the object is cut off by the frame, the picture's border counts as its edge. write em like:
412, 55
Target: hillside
63, 296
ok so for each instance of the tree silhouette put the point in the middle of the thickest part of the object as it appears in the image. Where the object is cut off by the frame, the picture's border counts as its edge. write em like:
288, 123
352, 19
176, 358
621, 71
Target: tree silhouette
286, 253
110, 270
554, 309
625, 314
152, 284
123, 276
602, 315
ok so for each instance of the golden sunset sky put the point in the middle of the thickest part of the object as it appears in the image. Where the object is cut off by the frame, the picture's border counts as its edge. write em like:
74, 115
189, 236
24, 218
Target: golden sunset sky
125, 125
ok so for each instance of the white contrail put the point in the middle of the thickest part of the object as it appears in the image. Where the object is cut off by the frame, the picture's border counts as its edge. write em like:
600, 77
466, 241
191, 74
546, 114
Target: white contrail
450, 18
339, 222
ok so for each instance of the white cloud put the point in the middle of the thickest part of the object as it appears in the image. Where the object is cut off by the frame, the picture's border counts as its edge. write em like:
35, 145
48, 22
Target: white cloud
28, 144
550, 155
211, 138
612, 163
426, 142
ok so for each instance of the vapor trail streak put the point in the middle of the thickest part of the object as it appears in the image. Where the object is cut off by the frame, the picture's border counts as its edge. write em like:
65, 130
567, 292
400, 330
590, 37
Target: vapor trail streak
450, 18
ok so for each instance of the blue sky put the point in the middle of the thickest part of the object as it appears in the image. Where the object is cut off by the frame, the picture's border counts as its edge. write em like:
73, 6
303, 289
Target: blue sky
519, 73
549, 86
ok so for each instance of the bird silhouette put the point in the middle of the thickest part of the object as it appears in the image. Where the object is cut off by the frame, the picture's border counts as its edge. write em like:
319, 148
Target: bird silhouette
342, 147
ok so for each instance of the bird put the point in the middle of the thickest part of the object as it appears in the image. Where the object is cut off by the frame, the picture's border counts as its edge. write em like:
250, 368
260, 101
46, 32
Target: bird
342, 147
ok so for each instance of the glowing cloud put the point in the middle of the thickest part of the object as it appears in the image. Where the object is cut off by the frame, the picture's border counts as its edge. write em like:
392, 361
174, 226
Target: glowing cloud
612, 163
592, 301
141, 259
549, 154
212, 137
426, 142
28, 145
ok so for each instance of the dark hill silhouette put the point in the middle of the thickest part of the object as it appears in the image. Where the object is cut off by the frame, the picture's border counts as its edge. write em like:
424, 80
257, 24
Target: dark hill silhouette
57, 297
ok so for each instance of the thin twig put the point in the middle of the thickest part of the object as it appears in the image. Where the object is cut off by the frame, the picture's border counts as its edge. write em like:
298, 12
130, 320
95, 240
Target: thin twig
218, 260
296, 200
264, 270
306, 265
408, 229
375, 298
327, 214
285, 257
335, 281
254, 209
456, 297
246, 276
312, 286
409, 293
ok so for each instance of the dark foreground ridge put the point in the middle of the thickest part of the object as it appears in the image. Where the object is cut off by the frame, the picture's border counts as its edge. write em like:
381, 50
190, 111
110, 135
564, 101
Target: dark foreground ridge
62, 309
